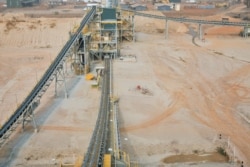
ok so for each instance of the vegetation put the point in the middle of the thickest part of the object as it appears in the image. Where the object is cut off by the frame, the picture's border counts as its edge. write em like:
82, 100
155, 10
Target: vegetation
221, 151
52, 25
195, 151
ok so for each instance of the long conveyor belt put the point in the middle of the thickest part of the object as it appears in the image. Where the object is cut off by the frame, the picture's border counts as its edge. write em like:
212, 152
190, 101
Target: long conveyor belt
105, 138
189, 20
35, 95
97, 145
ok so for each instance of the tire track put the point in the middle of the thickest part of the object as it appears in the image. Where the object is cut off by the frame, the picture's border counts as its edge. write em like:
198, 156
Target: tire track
176, 104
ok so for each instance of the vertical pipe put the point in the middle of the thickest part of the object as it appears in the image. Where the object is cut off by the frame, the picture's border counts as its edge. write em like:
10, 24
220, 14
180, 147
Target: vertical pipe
166, 29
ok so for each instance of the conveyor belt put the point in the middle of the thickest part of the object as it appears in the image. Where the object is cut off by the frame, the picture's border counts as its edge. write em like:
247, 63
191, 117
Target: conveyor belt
186, 20
105, 138
35, 95
97, 145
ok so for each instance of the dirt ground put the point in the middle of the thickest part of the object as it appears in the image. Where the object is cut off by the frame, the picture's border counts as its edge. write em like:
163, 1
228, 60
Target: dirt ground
197, 94
188, 94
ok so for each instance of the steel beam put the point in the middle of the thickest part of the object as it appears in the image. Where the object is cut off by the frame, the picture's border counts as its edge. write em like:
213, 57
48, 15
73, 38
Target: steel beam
60, 81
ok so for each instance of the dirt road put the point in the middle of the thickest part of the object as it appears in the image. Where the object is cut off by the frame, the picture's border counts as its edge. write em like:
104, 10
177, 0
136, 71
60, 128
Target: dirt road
207, 85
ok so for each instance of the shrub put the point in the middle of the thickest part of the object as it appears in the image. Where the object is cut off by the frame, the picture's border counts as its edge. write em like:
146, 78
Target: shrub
221, 151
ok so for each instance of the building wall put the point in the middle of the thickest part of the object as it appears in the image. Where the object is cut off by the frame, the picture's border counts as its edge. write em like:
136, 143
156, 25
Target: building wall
13, 3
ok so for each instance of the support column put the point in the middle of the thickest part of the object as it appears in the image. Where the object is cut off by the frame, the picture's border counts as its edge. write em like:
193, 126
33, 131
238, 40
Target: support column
121, 30
166, 29
29, 115
133, 27
200, 32
245, 32
86, 55
60, 79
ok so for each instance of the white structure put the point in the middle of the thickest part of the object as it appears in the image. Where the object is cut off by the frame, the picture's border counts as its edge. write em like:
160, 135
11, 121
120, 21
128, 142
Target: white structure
89, 5
177, 7
191, 1
106, 3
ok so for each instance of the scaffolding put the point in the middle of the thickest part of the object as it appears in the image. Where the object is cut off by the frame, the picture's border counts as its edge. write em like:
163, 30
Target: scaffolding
109, 27
104, 35
126, 28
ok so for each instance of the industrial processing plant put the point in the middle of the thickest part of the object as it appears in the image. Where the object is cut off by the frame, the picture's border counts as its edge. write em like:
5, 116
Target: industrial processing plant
124, 83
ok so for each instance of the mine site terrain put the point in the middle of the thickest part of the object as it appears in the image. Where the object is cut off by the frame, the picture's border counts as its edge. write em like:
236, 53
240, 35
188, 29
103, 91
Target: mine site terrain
180, 98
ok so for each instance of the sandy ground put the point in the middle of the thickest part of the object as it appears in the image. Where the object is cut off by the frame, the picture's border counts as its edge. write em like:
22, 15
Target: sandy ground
196, 95
192, 93
65, 128
27, 47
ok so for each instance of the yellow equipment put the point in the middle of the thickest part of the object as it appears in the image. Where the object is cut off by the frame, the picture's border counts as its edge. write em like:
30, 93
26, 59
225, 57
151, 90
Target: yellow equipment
89, 76
107, 160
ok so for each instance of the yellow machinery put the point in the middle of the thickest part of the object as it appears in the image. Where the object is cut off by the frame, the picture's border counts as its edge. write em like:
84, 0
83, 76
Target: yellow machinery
107, 160
122, 160
89, 76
